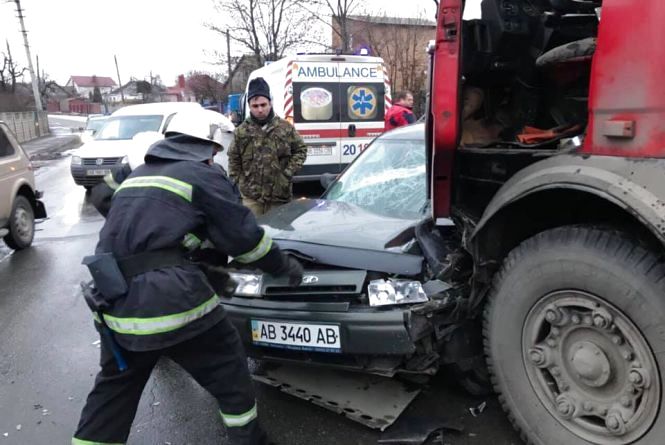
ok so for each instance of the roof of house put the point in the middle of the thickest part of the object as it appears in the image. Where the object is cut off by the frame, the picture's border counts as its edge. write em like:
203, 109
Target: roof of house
385, 20
245, 60
177, 90
131, 88
93, 81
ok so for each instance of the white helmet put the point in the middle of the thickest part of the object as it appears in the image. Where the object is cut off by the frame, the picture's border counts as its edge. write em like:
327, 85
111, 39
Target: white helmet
201, 124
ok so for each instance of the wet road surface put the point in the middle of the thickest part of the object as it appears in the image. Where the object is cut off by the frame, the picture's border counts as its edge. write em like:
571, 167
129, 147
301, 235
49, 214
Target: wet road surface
48, 356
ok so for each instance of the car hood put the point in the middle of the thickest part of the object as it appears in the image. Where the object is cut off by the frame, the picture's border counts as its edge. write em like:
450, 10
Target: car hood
342, 234
112, 148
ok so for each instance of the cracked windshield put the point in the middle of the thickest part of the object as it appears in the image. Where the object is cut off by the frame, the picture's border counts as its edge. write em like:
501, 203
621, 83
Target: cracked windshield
389, 179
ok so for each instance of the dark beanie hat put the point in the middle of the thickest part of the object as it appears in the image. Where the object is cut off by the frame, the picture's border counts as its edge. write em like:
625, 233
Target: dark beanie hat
258, 87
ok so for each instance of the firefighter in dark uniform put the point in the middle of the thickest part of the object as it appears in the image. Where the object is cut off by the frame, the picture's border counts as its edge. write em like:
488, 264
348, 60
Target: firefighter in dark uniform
151, 301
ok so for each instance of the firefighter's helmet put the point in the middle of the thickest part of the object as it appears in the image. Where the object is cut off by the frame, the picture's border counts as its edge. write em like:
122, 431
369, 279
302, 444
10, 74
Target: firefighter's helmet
201, 124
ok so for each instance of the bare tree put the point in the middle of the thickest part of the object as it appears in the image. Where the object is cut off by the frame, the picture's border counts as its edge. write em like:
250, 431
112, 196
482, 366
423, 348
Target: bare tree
401, 44
335, 14
10, 72
266, 28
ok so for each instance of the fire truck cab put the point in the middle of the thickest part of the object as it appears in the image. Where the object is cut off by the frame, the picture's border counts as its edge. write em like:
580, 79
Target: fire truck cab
546, 145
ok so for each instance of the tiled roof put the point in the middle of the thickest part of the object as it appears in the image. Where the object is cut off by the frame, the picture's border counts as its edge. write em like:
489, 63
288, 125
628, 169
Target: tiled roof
93, 81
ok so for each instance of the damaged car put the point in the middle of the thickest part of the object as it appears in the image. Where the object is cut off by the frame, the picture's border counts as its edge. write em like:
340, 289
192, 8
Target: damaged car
381, 290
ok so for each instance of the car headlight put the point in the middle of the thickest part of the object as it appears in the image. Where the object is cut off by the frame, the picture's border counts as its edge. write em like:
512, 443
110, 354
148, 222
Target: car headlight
387, 292
125, 160
76, 160
249, 285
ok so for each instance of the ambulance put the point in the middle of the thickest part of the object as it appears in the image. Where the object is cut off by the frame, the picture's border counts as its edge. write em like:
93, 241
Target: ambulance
336, 103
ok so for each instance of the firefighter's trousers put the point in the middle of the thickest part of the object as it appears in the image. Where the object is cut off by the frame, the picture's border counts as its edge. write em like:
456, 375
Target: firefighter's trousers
215, 359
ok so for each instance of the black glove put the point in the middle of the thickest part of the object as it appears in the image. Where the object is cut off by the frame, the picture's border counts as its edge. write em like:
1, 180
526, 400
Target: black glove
293, 270
219, 279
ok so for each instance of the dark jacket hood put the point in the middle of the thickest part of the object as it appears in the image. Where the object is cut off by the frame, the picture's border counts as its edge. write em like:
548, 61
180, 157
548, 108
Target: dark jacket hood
180, 148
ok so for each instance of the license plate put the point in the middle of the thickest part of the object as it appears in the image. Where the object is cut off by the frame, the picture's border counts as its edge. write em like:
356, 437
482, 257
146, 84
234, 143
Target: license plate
319, 150
299, 336
100, 172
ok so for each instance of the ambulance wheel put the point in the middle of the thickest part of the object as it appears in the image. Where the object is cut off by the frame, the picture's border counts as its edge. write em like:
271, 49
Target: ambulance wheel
571, 326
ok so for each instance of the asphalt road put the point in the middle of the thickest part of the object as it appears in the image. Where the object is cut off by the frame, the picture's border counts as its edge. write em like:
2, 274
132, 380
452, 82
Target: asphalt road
48, 356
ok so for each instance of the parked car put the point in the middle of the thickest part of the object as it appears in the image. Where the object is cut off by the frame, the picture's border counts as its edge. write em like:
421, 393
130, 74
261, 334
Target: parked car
19, 199
366, 297
93, 124
115, 142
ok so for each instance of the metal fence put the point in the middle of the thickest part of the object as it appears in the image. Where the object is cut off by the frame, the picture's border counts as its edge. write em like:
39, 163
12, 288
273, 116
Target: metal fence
27, 125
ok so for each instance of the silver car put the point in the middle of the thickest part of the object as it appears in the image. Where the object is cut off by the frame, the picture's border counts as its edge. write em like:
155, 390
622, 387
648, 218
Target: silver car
19, 200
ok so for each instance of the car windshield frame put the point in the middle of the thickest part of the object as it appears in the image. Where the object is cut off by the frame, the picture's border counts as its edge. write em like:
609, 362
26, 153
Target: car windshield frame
152, 122
384, 178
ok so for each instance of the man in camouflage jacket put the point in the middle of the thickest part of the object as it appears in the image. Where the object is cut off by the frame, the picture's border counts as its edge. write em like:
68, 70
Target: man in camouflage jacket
265, 154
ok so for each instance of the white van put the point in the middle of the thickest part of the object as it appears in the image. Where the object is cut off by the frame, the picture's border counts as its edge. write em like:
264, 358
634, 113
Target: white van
337, 104
125, 136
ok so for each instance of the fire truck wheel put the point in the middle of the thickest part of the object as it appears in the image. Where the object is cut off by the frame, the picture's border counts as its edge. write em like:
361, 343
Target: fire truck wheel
570, 330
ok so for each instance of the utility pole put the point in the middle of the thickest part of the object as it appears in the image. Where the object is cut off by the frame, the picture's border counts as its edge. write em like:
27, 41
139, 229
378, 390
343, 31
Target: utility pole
228, 51
122, 94
33, 78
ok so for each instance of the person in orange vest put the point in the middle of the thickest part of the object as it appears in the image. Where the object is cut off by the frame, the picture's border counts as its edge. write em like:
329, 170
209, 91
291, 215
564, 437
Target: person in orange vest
400, 113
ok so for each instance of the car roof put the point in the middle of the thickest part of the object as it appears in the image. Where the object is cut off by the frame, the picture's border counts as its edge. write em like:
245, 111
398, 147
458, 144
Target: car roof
155, 108
413, 132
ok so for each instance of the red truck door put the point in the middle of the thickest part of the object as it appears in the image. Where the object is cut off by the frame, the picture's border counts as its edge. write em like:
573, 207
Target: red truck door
445, 104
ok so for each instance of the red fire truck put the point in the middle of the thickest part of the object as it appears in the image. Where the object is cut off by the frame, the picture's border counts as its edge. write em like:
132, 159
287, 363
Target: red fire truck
546, 138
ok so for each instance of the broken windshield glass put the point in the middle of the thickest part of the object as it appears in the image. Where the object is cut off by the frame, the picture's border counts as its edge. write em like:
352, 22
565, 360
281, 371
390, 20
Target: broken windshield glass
389, 179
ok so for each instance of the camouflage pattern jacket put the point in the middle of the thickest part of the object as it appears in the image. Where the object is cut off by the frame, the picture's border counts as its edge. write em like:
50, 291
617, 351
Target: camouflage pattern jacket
263, 159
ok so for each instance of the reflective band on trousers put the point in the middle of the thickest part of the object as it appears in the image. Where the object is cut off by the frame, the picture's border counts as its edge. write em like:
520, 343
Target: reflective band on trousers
236, 420
176, 186
159, 325
191, 241
258, 252
76, 441
110, 181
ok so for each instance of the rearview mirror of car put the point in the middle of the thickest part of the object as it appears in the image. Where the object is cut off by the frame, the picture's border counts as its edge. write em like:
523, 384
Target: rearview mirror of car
327, 179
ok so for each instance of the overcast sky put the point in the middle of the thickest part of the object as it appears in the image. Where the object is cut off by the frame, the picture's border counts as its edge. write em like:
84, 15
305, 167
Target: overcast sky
80, 37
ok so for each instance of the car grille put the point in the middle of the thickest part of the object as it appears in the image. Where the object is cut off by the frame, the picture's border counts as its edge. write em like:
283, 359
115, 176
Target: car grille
89, 181
338, 289
329, 286
105, 161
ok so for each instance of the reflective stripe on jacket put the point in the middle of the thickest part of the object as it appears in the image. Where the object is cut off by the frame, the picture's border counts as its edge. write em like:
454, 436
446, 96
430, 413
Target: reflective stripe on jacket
163, 204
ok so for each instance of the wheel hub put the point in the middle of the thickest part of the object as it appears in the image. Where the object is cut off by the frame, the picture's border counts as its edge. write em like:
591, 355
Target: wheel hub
23, 224
590, 363
591, 368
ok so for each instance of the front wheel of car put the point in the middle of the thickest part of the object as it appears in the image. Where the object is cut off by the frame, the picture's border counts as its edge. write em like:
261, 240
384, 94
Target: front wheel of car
21, 224
573, 333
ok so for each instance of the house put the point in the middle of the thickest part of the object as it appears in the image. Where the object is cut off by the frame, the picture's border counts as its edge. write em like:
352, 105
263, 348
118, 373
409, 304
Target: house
401, 42
180, 92
85, 85
136, 91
